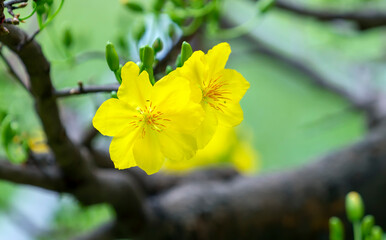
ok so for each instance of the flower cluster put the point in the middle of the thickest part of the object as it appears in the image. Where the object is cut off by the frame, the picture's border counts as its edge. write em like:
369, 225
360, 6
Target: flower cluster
174, 117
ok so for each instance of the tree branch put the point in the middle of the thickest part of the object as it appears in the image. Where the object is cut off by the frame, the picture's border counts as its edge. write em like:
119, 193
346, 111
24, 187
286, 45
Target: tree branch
9, 3
66, 153
86, 90
293, 204
12, 71
365, 19
23, 174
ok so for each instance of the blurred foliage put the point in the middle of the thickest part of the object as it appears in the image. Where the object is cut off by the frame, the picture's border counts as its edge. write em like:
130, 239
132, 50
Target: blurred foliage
71, 219
7, 189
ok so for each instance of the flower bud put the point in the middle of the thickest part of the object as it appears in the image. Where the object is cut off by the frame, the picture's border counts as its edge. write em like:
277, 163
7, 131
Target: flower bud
367, 225
112, 57
118, 74
147, 59
157, 45
168, 69
67, 38
336, 229
186, 52
113, 94
147, 56
354, 206
22, 5
178, 61
40, 9
376, 233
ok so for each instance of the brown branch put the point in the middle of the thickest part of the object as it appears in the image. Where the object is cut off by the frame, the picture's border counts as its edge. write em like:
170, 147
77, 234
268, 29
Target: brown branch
85, 90
3, 30
23, 174
12, 71
161, 182
9, 3
66, 153
364, 19
293, 204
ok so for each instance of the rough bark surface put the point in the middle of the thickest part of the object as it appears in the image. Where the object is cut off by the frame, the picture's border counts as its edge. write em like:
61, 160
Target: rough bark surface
294, 204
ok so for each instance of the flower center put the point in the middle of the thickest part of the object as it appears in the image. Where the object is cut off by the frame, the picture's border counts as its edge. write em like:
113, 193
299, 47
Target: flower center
149, 118
215, 94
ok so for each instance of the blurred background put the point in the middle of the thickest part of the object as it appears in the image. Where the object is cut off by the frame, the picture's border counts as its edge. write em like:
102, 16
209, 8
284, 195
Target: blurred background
289, 120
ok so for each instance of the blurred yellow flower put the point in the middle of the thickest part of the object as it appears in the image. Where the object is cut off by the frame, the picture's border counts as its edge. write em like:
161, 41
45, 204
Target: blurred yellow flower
149, 123
37, 143
219, 90
225, 148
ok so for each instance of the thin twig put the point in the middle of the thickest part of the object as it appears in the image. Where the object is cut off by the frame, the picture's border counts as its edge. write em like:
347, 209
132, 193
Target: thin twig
364, 19
85, 90
12, 2
10, 7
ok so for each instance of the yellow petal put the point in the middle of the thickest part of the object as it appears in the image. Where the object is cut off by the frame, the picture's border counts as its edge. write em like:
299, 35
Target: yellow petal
147, 152
187, 120
193, 69
208, 127
217, 57
177, 146
245, 158
226, 91
121, 149
235, 83
231, 115
171, 94
134, 89
113, 117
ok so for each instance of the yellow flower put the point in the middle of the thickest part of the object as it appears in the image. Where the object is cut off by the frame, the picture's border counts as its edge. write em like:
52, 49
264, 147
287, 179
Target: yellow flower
224, 148
37, 143
149, 123
220, 89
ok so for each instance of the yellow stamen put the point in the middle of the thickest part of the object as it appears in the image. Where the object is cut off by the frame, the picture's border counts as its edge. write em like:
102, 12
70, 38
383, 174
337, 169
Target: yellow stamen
214, 94
149, 117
